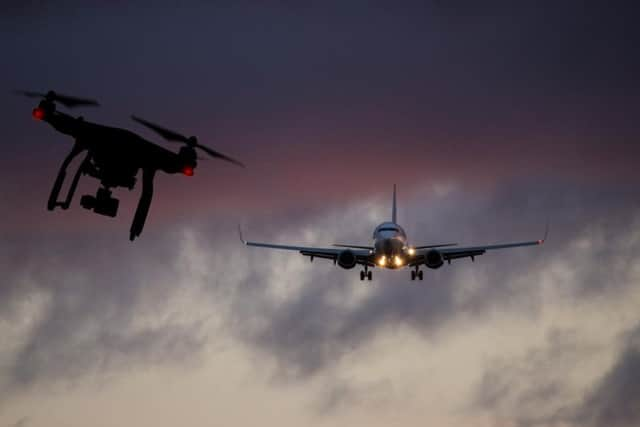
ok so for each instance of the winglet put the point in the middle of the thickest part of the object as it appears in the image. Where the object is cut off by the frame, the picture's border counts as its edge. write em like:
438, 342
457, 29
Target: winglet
244, 242
546, 233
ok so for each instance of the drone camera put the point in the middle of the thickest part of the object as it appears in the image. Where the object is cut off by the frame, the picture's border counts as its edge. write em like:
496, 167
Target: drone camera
102, 203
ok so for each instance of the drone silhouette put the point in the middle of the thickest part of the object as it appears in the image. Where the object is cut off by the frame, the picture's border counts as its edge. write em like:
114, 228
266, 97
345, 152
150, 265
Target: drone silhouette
114, 156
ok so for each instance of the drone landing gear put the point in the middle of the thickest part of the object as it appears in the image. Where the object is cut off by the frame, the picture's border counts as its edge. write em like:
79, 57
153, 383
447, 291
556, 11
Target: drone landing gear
417, 273
366, 274
57, 186
143, 205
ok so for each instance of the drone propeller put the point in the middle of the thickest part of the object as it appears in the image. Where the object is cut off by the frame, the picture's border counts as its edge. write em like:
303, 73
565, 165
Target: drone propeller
67, 101
192, 141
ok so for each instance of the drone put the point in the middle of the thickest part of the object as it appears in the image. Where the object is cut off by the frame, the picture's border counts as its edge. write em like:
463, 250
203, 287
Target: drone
114, 156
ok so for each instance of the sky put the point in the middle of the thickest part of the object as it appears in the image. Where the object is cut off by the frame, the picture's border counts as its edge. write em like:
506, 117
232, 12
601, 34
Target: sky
492, 118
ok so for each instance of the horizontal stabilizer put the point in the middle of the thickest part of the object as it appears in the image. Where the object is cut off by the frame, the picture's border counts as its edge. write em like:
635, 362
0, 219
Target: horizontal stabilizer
440, 245
353, 246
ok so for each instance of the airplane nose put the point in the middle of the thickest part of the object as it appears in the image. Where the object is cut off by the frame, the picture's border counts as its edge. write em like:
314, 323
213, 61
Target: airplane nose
390, 247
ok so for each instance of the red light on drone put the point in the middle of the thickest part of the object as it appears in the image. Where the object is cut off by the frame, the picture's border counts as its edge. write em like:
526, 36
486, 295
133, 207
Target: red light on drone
187, 170
38, 113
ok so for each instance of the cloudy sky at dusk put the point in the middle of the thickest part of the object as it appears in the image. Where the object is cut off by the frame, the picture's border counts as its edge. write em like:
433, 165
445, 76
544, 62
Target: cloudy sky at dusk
492, 118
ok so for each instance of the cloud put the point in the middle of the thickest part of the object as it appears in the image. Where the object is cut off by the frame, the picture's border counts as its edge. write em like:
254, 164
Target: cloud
340, 395
22, 422
69, 311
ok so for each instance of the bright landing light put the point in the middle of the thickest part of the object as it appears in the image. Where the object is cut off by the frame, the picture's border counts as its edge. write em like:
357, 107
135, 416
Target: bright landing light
397, 261
382, 261
412, 251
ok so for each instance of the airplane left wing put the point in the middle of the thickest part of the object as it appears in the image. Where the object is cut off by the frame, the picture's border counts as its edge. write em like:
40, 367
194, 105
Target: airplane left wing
449, 254
473, 251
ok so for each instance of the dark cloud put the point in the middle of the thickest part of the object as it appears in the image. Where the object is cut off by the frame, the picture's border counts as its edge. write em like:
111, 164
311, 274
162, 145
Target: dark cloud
615, 400
535, 390
97, 290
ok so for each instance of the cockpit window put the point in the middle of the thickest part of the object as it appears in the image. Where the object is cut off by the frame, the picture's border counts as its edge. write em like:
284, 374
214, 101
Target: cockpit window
388, 229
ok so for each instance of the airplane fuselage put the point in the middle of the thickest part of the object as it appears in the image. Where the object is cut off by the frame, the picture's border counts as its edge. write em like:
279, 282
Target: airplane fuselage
390, 245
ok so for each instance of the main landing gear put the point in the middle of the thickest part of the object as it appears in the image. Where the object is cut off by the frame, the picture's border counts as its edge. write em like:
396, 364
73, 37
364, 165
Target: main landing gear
366, 273
416, 273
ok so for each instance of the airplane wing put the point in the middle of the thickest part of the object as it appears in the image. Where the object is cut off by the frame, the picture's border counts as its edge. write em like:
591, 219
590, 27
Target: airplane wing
363, 256
439, 245
473, 251
449, 254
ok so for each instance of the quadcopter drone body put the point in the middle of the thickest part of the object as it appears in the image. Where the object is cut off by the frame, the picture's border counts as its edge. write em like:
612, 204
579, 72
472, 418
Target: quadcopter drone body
114, 156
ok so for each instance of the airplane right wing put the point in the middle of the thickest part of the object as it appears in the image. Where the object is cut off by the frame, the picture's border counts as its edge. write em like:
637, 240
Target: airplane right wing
362, 256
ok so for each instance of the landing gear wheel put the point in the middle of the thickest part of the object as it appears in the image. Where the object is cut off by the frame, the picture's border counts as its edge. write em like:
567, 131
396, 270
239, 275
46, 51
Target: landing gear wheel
362, 275
369, 275
420, 274
413, 275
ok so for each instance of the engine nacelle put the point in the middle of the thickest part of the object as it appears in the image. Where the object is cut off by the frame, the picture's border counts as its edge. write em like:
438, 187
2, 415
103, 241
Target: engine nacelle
347, 259
433, 259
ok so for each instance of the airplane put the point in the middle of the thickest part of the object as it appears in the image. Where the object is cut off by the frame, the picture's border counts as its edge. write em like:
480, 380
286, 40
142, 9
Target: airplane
114, 156
392, 250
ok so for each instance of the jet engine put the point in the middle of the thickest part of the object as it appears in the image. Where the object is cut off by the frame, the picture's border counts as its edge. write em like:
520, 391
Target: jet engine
347, 259
433, 259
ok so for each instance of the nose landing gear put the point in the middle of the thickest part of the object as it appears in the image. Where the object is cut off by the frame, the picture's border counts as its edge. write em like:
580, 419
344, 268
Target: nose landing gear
417, 273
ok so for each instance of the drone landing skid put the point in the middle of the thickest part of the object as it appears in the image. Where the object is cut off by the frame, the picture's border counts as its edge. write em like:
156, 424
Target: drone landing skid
57, 186
143, 205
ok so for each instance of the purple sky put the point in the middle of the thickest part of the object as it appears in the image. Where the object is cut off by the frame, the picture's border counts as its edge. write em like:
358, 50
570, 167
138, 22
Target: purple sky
491, 119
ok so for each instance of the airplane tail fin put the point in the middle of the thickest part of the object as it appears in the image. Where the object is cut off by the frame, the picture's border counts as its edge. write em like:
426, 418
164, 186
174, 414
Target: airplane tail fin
394, 211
